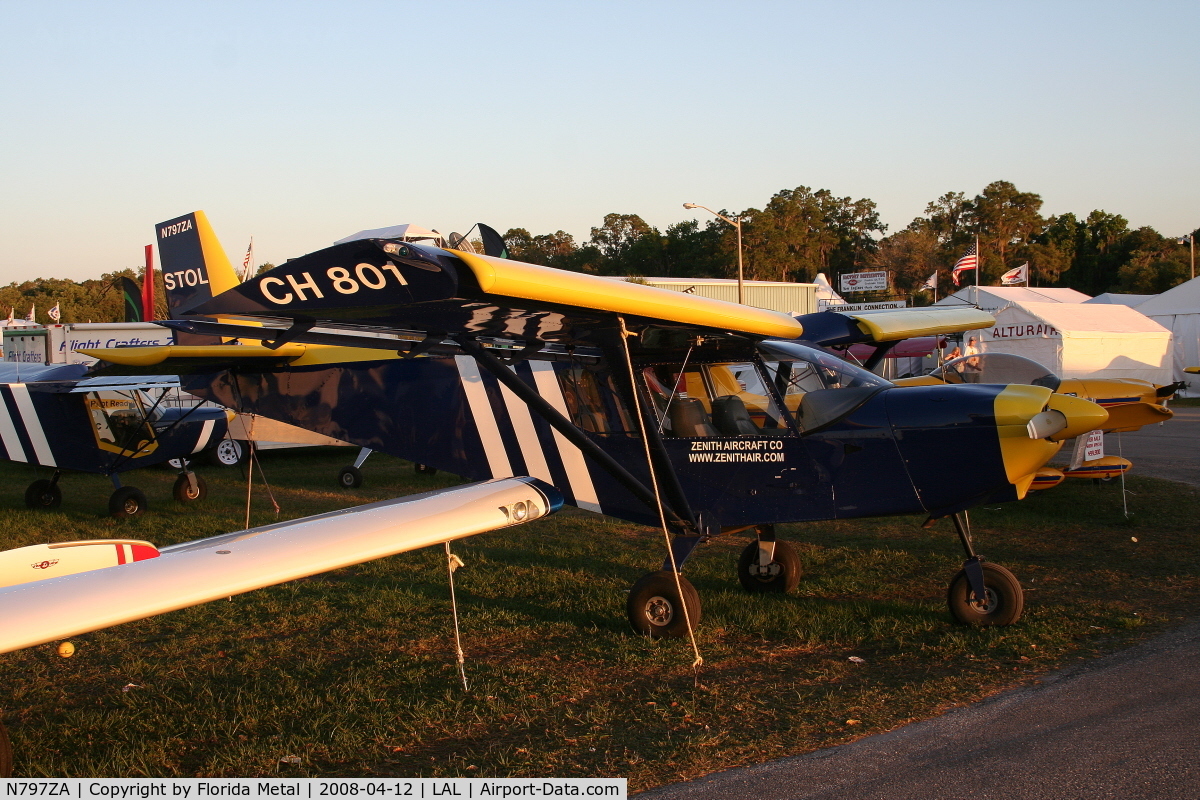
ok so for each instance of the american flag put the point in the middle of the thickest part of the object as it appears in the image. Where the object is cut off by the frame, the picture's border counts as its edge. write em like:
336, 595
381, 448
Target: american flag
969, 261
246, 260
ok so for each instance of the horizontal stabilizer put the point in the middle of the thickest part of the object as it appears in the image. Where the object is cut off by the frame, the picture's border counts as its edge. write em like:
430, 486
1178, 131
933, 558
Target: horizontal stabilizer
221, 566
833, 327
905, 323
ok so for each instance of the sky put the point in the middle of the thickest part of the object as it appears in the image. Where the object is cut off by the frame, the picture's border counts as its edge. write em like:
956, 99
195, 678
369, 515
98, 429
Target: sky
299, 123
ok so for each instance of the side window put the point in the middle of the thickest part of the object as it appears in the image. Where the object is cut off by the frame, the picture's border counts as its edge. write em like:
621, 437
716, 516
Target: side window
709, 400
119, 422
592, 401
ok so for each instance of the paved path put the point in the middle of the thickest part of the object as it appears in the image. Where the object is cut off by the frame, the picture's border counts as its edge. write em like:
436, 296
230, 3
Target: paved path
1124, 726
1170, 450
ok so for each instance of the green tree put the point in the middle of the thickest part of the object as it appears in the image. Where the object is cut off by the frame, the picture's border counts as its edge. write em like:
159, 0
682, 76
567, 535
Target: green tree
1006, 221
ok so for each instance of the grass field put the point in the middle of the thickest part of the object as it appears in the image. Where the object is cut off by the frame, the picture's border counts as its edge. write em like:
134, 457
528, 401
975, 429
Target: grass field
352, 673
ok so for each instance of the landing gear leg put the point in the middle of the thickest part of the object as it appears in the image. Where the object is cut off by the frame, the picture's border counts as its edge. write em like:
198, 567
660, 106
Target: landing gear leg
768, 564
982, 594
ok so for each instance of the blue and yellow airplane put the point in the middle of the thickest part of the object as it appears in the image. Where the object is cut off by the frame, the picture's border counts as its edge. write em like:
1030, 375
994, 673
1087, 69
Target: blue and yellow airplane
701, 417
58, 417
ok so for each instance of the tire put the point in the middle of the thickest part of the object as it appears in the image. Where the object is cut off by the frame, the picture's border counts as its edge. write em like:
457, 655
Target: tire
424, 469
350, 478
184, 491
128, 501
782, 574
1005, 599
226, 453
654, 609
43, 494
6, 755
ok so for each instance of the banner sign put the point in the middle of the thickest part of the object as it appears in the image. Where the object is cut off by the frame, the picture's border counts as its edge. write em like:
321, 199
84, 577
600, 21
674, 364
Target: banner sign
880, 306
1087, 448
1038, 330
866, 281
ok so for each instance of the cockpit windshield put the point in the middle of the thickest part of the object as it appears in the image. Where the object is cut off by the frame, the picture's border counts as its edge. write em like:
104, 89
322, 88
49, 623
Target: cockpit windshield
997, 368
817, 388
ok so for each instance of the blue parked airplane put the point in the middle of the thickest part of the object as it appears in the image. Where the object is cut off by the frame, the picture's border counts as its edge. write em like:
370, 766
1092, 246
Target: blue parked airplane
56, 416
702, 417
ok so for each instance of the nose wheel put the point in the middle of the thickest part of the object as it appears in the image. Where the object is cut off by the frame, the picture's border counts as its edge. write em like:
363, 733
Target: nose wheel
1001, 604
982, 594
656, 608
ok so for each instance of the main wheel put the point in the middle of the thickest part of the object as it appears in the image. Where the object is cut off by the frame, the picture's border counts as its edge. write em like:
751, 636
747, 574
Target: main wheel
128, 501
43, 494
350, 478
227, 453
6, 757
424, 469
781, 575
1003, 600
186, 493
655, 609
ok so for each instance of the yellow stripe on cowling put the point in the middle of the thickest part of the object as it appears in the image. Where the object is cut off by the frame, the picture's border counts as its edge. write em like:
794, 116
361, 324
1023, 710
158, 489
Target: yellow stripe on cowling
301, 355
905, 323
548, 285
1014, 407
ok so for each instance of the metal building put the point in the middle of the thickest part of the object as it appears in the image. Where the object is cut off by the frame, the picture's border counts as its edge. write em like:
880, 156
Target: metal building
790, 298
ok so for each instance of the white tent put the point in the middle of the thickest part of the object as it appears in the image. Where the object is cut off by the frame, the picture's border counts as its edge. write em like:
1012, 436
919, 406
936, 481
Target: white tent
1178, 310
406, 232
1113, 298
994, 298
1078, 340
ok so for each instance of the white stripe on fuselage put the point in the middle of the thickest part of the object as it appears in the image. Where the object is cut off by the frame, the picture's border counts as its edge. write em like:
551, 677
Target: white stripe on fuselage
527, 438
572, 458
205, 435
33, 425
485, 418
8, 434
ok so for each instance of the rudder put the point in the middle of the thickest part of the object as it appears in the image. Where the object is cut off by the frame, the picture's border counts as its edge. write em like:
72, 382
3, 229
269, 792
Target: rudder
194, 265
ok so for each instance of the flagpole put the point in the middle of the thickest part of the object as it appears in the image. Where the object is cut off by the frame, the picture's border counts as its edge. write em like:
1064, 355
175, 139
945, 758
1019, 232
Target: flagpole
978, 261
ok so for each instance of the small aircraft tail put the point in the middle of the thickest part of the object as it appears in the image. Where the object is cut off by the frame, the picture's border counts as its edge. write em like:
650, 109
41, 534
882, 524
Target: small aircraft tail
194, 265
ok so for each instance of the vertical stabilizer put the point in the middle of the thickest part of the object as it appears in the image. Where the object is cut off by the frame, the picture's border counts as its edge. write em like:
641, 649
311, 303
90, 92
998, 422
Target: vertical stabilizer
194, 265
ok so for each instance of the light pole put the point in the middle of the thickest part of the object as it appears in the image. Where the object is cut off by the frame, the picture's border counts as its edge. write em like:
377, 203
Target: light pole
737, 224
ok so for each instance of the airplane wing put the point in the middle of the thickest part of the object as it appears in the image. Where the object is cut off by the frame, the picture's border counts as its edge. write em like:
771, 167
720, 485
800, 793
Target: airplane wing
221, 566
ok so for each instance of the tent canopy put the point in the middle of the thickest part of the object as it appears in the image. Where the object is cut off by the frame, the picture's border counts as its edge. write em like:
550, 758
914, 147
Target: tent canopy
1080, 340
1113, 298
993, 298
1178, 309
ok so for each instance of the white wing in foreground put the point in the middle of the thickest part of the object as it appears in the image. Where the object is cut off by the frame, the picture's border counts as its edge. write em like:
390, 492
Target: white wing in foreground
221, 566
